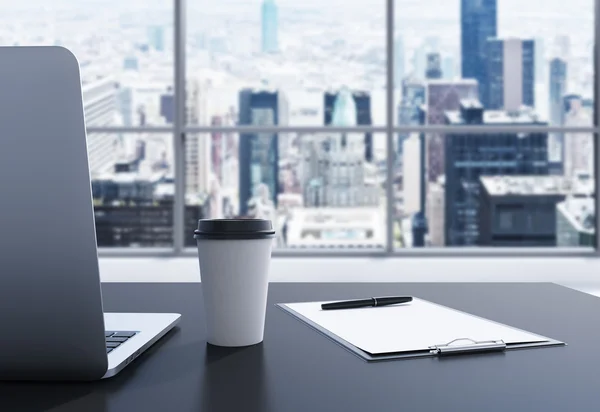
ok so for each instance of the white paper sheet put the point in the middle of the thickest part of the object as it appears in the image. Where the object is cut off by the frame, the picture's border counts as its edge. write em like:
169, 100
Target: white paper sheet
412, 326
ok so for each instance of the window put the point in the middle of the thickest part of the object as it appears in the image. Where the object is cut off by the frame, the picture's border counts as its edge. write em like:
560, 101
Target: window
327, 114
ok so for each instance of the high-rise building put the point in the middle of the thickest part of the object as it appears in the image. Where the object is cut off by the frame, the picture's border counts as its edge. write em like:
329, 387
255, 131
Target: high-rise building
576, 222
259, 152
197, 146
335, 172
362, 101
434, 66
441, 96
269, 27
510, 78
137, 210
558, 88
167, 106
435, 212
198, 167
518, 211
472, 155
398, 61
578, 147
478, 22
411, 174
101, 110
156, 38
413, 97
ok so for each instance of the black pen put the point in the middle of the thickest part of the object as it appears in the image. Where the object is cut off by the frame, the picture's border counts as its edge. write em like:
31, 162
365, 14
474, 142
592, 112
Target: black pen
362, 303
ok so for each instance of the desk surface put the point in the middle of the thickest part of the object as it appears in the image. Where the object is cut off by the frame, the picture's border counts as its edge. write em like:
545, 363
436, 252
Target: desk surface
298, 369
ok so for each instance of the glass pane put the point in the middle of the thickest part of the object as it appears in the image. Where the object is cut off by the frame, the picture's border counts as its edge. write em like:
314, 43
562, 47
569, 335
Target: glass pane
322, 190
306, 51
132, 188
519, 59
497, 190
124, 48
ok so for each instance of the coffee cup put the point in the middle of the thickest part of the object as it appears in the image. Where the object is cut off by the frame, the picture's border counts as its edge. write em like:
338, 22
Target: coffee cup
234, 257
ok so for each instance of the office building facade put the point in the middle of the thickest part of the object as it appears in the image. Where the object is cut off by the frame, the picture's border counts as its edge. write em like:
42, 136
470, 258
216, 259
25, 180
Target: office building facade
578, 147
441, 96
412, 175
259, 152
520, 211
510, 77
470, 156
558, 89
478, 22
362, 102
101, 109
434, 66
270, 27
413, 97
197, 146
335, 172
434, 212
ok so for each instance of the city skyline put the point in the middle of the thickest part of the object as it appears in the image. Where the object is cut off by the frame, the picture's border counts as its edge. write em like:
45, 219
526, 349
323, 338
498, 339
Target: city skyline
308, 55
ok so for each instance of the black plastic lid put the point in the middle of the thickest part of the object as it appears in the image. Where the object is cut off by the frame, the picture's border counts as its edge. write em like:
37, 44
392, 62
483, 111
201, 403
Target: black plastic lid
234, 229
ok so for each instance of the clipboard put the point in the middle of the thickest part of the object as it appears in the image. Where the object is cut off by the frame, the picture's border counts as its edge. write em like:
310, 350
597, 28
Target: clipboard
306, 312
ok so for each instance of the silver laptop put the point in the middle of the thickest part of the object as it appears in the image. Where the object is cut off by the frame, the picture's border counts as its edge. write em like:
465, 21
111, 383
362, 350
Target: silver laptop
52, 325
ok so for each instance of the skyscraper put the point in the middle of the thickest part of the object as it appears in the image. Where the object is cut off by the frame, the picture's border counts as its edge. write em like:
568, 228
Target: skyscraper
334, 171
441, 96
472, 155
411, 173
259, 152
413, 97
100, 105
478, 22
434, 66
362, 101
510, 76
197, 147
398, 61
558, 88
269, 27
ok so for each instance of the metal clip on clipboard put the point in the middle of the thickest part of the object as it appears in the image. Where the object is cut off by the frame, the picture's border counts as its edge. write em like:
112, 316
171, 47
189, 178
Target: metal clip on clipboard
472, 347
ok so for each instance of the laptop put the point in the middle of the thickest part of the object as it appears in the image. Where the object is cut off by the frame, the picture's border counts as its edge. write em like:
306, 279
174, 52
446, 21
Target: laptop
52, 322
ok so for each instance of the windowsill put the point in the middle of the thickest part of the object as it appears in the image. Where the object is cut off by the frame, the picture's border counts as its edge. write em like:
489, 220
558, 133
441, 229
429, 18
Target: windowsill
578, 273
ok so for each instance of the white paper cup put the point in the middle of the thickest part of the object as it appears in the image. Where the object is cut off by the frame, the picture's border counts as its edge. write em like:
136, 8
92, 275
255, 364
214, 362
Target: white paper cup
234, 257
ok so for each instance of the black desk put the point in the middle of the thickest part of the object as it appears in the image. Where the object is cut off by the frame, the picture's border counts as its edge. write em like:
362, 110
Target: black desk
297, 369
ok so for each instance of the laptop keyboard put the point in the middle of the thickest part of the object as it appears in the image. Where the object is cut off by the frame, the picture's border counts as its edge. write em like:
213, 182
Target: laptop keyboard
115, 339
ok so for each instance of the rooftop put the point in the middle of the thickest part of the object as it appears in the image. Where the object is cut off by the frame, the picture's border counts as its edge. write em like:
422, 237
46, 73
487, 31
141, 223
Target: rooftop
580, 212
523, 116
580, 185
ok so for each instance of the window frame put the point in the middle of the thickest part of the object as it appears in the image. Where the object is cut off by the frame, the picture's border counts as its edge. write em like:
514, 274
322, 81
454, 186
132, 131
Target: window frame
179, 130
